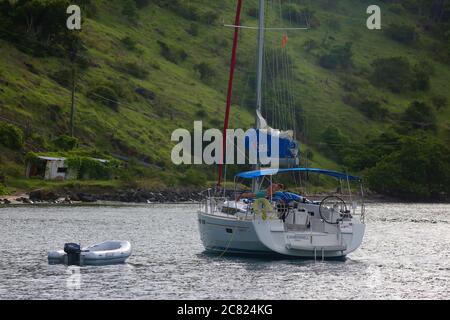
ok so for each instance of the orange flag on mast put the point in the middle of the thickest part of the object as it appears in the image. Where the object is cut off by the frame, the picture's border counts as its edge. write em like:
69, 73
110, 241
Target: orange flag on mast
284, 42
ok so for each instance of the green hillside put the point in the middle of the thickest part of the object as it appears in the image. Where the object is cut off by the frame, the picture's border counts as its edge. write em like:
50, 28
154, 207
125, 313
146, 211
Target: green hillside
145, 68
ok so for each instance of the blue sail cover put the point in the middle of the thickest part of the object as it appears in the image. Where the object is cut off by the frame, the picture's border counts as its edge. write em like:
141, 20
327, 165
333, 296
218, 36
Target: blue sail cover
288, 147
271, 172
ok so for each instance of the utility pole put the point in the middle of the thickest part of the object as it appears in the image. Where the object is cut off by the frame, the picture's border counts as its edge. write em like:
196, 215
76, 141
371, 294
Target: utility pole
73, 56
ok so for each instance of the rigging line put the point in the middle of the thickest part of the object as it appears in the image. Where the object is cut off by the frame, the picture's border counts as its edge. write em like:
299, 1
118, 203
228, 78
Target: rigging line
257, 28
276, 104
272, 100
291, 84
266, 92
271, 103
275, 80
268, 102
285, 91
291, 96
290, 80
284, 88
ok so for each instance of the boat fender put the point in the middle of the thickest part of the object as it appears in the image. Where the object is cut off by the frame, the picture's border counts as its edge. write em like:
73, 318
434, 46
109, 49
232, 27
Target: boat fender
262, 207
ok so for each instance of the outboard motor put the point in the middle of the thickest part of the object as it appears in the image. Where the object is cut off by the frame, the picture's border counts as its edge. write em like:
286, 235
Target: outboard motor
73, 251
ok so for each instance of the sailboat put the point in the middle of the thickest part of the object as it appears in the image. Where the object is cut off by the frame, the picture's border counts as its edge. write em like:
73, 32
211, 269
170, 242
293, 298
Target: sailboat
279, 222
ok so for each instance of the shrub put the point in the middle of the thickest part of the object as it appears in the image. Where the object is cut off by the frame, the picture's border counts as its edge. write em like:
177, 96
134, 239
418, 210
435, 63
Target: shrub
333, 24
11, 136
105, 96
129, 43
333, 143
351, 84
310, 44
397, 8
439, 102
402, 33
370, 108
397, 75
338, 56
421, 81
418, 169
63, 77
253, 12
142, 3
87, 168
374, 110
309, 154
194, 178
65, 143
193, 29
300, 15
129, 9
201, 114
40, 24
419, 115
394, 74
3, 190
132, 68
209, 17
205, 70
172, 55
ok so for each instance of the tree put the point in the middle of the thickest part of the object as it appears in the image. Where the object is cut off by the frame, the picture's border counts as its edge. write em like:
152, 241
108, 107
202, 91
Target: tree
129, 9
402, 33
38, 25
439, 102
66, 143
419, 115
394, 74
106, 96
418, 169
205, 70
333, 143
339, 56
11, 136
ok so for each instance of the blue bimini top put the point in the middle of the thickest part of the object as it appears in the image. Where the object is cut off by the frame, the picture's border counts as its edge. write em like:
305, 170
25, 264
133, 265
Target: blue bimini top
271, 172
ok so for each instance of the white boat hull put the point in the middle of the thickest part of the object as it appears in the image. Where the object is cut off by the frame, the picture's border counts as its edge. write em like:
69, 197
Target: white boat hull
216, 237
230, 235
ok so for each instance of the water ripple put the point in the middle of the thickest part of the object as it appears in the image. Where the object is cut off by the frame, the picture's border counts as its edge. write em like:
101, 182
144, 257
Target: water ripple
405, 255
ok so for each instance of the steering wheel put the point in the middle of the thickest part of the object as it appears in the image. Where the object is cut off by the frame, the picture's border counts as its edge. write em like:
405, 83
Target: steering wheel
331, 203
283, 209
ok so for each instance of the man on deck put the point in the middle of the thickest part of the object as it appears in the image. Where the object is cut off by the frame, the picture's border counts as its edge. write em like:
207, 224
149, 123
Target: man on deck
268, 193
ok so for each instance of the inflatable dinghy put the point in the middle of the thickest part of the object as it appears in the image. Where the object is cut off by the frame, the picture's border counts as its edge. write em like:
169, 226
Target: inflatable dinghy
108, 252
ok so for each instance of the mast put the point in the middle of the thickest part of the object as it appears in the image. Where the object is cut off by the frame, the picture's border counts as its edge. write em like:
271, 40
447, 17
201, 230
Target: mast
230, 88
259, 75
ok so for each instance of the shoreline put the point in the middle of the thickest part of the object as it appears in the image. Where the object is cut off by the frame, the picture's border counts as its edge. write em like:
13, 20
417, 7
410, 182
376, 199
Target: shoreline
141, 197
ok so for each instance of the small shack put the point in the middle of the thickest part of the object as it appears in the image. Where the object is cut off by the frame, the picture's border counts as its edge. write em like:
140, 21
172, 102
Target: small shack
52, 168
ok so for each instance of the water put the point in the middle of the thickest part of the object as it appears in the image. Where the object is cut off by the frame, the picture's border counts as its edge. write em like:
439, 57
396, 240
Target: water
405, 255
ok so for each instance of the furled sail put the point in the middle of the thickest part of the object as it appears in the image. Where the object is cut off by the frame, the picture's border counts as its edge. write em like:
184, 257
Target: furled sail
288, 147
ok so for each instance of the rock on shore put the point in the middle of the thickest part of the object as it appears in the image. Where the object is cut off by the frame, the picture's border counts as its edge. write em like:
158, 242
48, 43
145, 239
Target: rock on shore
125, 196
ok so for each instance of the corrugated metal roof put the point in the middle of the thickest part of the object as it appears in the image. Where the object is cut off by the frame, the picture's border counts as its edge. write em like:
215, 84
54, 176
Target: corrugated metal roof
64, 159
51, 158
